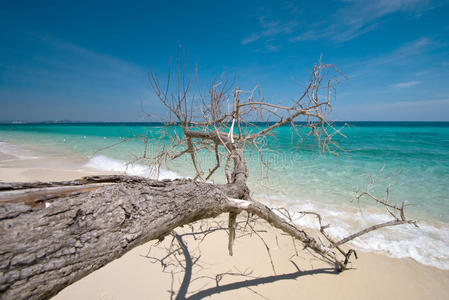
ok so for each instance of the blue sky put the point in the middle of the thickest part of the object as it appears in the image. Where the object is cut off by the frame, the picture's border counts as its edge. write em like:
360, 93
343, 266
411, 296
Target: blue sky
89, 61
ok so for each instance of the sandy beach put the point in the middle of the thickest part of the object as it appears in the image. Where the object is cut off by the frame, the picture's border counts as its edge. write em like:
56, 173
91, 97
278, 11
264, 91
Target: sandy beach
372, 276
249, 274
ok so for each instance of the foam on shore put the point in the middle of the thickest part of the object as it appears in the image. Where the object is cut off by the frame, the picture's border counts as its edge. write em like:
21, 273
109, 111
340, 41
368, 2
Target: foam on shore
427, 244
104, 163
15, 151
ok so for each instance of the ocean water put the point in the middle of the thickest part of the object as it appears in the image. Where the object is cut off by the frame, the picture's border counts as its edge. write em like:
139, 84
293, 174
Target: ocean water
411, 158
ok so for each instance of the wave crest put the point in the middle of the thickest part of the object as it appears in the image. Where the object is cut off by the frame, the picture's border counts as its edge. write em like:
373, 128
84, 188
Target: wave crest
428, 244
104, 163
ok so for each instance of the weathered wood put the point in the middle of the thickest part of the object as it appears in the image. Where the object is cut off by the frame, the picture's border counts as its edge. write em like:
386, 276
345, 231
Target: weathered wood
8, 186
43, 250
37, 196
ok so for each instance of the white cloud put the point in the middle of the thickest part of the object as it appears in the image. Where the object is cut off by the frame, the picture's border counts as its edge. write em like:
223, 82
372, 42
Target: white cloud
252, 38
352, 19
400, 56
271, 24
357, 17
270, 28
405, 84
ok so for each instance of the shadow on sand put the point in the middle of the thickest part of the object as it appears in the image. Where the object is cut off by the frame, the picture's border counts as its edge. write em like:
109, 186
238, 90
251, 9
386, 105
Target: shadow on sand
188, 267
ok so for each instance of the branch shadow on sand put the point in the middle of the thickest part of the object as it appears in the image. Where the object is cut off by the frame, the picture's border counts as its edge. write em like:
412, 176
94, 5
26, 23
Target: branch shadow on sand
189, 264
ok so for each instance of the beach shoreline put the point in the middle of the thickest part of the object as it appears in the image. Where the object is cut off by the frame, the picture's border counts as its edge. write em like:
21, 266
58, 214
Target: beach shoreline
19, 163
134, 276
426, 244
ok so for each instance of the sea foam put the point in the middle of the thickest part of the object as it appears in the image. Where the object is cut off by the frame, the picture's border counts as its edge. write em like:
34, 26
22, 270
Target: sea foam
104, 163
427, 244
16, 151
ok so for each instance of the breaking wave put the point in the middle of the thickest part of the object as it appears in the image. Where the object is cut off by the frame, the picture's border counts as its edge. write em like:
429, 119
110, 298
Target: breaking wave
104, 163
428, 244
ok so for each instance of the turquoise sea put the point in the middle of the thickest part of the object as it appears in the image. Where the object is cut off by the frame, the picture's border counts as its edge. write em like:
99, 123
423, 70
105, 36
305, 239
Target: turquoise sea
411, 157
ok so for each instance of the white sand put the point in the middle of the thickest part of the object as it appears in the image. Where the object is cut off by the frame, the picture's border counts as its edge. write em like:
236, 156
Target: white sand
374, 276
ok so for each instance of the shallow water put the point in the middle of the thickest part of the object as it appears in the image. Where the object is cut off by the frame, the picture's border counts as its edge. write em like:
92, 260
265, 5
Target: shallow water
412, 157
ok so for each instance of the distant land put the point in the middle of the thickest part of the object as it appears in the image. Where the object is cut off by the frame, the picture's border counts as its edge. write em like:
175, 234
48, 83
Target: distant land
337, 122
40, 122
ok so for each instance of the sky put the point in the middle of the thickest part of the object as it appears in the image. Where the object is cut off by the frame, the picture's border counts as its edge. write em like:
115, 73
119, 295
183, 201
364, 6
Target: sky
89, 60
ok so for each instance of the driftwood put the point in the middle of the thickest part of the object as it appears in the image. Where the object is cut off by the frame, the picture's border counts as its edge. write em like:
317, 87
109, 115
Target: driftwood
47, 243
47, 246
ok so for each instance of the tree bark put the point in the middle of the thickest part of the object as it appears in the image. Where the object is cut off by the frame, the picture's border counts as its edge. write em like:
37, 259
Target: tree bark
44, 249
48, 243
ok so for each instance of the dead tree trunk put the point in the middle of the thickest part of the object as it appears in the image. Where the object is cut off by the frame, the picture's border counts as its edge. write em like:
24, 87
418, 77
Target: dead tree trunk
45, 247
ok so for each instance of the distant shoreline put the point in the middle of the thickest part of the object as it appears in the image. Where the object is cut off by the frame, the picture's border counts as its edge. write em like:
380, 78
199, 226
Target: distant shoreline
338, 123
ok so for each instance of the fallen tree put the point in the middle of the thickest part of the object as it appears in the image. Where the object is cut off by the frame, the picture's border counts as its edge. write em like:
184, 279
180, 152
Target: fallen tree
53, 234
